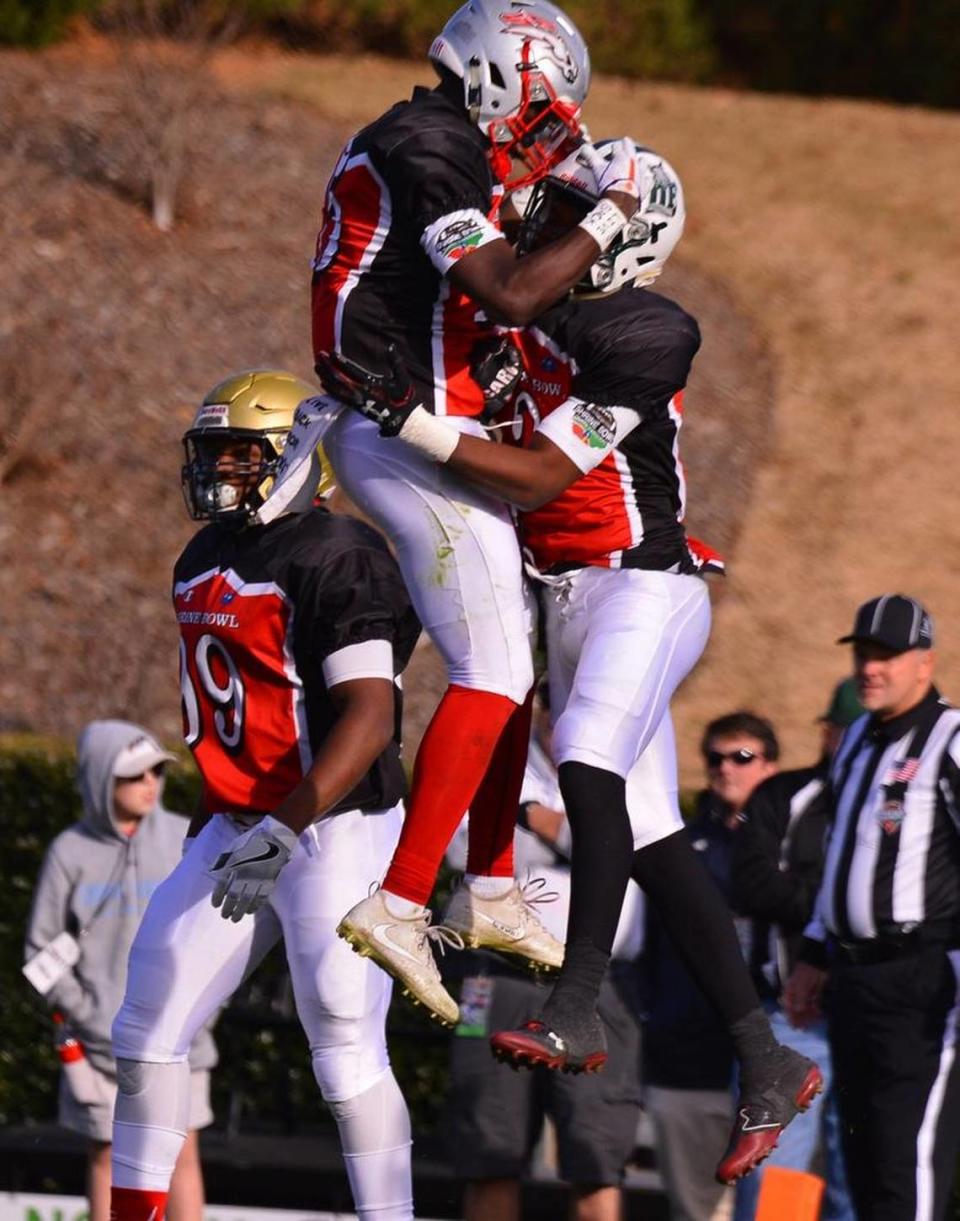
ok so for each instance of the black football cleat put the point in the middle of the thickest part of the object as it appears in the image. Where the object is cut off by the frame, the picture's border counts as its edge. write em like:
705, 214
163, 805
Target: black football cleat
767, 1104
535, 1043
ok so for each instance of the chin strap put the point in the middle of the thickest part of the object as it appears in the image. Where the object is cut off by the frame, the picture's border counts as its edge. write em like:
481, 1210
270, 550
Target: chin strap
474, 89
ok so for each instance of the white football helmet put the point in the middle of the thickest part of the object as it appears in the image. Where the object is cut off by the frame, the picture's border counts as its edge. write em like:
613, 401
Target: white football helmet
525, 71
563, 198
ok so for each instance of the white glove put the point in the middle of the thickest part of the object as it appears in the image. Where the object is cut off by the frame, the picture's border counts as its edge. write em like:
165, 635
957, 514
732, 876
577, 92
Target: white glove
246, 874
576, 169
615, 167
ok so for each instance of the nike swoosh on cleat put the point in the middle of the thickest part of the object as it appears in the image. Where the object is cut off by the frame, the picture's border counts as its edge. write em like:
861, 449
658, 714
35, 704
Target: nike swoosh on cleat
380, 932
515, 933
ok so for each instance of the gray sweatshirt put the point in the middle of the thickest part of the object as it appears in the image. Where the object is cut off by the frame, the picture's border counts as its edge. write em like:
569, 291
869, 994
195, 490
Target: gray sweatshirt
94, 865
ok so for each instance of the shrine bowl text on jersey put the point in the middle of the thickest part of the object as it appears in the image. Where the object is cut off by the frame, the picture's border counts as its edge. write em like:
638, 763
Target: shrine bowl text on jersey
260, 611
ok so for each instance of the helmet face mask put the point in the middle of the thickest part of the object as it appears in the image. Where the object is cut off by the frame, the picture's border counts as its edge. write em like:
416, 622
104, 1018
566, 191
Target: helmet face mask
647, 240
554, 208
234, 446
228, 473
525, 71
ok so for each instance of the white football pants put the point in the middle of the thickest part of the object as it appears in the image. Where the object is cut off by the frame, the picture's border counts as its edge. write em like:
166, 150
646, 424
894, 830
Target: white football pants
457, 549
187, 961
619, 642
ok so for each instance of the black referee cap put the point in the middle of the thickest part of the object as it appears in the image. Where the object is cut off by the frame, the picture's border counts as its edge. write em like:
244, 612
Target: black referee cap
893, 620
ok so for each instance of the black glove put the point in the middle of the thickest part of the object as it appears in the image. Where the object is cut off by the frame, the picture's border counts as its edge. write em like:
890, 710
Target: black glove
385, 398
497, 368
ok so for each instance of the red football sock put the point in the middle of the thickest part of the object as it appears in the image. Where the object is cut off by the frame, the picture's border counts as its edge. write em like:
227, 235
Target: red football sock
133, 1204
451, 762
493, 812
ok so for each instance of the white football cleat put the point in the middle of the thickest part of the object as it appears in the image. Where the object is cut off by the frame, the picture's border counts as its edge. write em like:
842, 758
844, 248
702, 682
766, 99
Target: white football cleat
401, 945
507, 924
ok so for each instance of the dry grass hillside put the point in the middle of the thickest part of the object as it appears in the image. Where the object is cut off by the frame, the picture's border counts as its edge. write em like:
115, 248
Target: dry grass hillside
820, 258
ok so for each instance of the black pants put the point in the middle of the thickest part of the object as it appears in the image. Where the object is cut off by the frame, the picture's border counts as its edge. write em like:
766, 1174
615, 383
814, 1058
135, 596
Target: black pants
896, 1061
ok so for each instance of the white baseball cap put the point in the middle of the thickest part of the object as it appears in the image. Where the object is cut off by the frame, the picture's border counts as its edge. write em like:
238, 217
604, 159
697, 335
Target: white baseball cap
140, 756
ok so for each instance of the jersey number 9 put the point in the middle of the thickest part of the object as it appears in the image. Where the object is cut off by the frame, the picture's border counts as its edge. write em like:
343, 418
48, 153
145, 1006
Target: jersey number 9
221, 690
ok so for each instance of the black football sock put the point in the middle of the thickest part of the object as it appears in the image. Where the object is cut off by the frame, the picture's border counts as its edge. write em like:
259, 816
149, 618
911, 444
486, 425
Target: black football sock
600, 870
761, 1056
699, 923
571, 1009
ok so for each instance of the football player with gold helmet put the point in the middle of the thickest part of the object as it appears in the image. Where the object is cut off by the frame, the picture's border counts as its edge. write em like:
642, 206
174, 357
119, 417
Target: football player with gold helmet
291, 638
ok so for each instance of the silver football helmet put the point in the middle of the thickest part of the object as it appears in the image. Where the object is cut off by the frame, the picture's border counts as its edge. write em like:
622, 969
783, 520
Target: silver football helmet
561, 200
525, 71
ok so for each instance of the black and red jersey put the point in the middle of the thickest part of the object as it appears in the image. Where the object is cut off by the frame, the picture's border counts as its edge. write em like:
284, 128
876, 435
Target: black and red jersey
632, 349
259, 611
373, 281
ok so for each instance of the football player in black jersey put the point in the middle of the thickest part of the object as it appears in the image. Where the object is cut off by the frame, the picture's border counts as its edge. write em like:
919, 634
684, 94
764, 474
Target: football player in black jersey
408, 254
627, 617
291, 639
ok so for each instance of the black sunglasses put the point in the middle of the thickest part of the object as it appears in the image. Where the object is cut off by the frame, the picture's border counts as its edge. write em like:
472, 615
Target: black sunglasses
158, 769
740, 757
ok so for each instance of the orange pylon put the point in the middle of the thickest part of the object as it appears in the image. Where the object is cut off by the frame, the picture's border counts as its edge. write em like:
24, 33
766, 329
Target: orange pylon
789, 1195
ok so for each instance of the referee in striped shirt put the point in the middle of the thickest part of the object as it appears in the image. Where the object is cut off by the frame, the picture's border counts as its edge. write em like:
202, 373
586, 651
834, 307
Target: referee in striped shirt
883, 948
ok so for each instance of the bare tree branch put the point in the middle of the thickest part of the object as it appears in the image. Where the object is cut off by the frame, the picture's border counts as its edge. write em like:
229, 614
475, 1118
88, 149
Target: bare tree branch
164, 48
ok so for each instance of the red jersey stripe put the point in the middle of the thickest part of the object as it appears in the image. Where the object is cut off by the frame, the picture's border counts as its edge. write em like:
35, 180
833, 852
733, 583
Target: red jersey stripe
356, 221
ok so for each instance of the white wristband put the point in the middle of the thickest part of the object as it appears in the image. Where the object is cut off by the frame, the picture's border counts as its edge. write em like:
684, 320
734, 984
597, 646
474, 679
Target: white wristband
604, 223
429, 435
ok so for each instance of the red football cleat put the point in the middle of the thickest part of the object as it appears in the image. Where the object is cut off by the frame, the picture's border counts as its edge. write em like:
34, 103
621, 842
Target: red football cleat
764, 1111
534, 1043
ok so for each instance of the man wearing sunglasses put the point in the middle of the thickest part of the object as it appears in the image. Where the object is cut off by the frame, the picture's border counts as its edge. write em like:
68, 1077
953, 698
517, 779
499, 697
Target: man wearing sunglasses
688, 1053
739, 751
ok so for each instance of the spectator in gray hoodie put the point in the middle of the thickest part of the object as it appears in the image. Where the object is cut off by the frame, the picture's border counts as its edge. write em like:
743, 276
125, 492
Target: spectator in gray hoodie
96, 880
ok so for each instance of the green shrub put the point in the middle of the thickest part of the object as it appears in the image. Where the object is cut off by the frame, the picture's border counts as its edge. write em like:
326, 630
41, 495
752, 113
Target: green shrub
663, 39
37, 801
863, 48
264, 1075
33, 23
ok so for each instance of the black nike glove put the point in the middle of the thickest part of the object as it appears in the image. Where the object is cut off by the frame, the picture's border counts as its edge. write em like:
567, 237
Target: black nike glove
497, 368
386, 398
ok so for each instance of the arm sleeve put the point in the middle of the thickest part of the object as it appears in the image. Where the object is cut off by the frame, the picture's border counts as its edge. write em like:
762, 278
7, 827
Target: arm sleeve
587, 432
49, 917
630, 367
456, 234
759, 887
369, 659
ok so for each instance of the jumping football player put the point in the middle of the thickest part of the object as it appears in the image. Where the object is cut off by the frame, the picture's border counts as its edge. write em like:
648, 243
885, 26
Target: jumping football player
291, 637
602, 489
408, 253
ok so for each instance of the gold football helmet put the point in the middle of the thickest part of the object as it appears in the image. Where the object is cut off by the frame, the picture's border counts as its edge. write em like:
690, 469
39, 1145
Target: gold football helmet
235, 441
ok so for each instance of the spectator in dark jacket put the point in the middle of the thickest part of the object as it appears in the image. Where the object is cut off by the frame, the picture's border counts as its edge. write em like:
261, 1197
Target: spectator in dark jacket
777, 866
687, 1054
